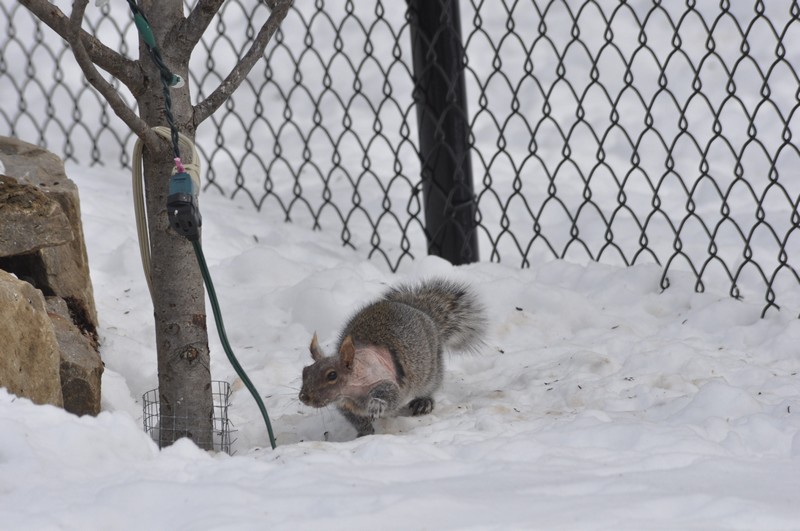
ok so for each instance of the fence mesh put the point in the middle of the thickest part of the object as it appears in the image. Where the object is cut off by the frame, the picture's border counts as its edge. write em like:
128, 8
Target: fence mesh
624, 132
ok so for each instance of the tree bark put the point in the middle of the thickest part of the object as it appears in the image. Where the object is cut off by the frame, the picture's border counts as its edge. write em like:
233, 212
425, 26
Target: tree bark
184, 376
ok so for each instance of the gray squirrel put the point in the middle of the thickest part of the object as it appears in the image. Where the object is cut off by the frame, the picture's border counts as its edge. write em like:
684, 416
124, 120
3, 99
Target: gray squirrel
390, 353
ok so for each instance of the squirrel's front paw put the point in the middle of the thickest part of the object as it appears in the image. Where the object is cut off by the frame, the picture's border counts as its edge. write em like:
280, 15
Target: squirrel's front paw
376, 408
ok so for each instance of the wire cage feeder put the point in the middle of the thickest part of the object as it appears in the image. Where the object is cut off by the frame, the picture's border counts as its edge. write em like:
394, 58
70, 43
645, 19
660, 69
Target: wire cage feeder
220, 434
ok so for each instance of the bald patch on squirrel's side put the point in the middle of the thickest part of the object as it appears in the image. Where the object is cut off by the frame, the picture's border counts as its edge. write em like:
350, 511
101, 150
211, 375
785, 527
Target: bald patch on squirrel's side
371, 365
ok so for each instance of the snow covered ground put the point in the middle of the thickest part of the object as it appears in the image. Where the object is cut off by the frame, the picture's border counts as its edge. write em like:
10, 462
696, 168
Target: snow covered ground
599, 402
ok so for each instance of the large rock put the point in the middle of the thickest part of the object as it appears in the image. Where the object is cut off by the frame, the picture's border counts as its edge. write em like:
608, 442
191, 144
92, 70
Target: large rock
29, 353
81, 367
62, 270
48, 351
30, 220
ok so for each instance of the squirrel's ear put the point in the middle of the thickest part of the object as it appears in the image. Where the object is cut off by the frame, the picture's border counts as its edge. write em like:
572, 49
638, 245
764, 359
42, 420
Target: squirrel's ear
347, 352
316, 353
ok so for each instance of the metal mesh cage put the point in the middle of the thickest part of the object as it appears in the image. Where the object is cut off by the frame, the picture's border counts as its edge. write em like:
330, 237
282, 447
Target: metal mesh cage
220, 434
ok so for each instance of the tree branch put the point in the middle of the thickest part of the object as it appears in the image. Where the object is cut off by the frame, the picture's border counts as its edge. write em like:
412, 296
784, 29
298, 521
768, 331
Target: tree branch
191, 30
208, 106
115, 101
122, 68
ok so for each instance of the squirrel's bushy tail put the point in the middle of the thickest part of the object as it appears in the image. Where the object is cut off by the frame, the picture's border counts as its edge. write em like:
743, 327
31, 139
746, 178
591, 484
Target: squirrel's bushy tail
457, 312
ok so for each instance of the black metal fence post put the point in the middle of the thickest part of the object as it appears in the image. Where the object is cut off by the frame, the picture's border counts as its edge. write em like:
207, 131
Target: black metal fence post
440, 99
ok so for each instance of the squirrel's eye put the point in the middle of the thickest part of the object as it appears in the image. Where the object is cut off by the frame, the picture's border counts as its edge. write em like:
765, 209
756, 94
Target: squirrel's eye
331, 376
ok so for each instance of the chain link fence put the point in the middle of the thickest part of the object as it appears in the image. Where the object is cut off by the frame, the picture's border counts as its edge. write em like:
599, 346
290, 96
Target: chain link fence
623, 132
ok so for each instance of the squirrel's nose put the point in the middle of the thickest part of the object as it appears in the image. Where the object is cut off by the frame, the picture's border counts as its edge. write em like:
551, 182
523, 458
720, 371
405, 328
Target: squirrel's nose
303, 396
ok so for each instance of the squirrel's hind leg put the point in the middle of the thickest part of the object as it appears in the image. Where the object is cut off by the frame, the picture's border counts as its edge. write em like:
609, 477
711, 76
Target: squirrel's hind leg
421, 406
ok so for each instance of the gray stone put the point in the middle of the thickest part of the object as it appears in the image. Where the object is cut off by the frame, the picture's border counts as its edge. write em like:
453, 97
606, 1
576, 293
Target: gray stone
81, 367
29, 353
62, 270
30, 220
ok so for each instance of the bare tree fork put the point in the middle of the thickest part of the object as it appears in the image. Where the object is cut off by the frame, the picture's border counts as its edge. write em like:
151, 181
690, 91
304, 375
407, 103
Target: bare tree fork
116, 64
119, 66
93, 76
191, 30
246, 63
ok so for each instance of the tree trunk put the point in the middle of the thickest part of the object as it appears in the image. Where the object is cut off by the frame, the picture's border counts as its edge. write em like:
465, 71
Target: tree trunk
184, 376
